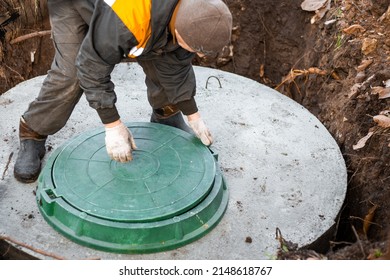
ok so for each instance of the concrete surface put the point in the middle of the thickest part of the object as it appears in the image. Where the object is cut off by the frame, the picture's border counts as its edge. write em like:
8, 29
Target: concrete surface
282, 167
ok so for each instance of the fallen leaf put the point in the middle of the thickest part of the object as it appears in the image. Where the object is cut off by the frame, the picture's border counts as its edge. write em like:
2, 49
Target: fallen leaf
368, 219
261, 70
355, 90
360, 77
320, 13
381, 92
347, 4
369, 45
385, 16
385, 112
354, 29
335, 76
382, 121
365, 63
362, 142
313, 5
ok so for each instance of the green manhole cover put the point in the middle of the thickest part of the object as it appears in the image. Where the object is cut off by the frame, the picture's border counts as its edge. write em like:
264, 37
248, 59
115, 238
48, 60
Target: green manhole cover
169, 195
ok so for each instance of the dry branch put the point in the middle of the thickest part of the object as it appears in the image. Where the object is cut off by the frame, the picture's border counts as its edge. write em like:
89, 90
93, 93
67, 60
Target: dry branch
54, 256
7, 165
294, 73
7, 238
31, 35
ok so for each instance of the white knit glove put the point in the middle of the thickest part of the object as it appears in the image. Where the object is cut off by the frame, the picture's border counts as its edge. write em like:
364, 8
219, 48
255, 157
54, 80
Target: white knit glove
120, 143
201, 131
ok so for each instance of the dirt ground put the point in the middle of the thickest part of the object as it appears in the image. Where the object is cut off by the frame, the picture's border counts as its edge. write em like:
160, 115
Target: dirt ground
337, 67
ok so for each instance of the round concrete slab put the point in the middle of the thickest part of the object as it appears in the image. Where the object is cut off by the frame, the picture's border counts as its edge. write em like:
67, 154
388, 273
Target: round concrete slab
282, 167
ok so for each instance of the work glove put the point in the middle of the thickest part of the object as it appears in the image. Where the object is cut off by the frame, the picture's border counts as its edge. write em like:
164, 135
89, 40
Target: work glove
201, 131
119, 143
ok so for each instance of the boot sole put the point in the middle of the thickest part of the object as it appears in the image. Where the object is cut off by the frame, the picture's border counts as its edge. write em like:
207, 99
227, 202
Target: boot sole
29, 179
26, 180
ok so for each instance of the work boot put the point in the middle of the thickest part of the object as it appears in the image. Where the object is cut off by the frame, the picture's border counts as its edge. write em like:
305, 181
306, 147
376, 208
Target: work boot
32, 150
170, 115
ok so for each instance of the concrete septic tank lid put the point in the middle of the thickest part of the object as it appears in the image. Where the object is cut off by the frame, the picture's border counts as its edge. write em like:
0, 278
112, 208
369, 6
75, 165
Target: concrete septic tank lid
282, 167
169, 195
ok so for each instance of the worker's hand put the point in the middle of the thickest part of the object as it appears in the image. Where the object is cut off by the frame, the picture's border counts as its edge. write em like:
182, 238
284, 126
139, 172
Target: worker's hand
200, 129
119, 142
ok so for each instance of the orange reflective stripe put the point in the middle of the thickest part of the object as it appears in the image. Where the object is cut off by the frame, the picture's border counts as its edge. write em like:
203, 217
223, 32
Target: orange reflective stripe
135, 15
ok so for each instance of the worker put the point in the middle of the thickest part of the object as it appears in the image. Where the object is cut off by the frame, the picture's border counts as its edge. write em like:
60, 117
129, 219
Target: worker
92, 36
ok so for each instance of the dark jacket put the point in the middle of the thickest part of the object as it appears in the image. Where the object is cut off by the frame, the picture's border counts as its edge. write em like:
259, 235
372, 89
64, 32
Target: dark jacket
139, 29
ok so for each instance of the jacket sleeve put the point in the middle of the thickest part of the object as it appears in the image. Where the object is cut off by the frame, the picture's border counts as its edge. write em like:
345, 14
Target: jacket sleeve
104, 46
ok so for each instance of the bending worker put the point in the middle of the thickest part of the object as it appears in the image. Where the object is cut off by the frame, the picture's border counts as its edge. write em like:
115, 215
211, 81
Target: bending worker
91, 37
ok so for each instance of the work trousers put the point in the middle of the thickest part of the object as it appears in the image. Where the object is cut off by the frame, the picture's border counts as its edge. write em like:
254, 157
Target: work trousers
60, 91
